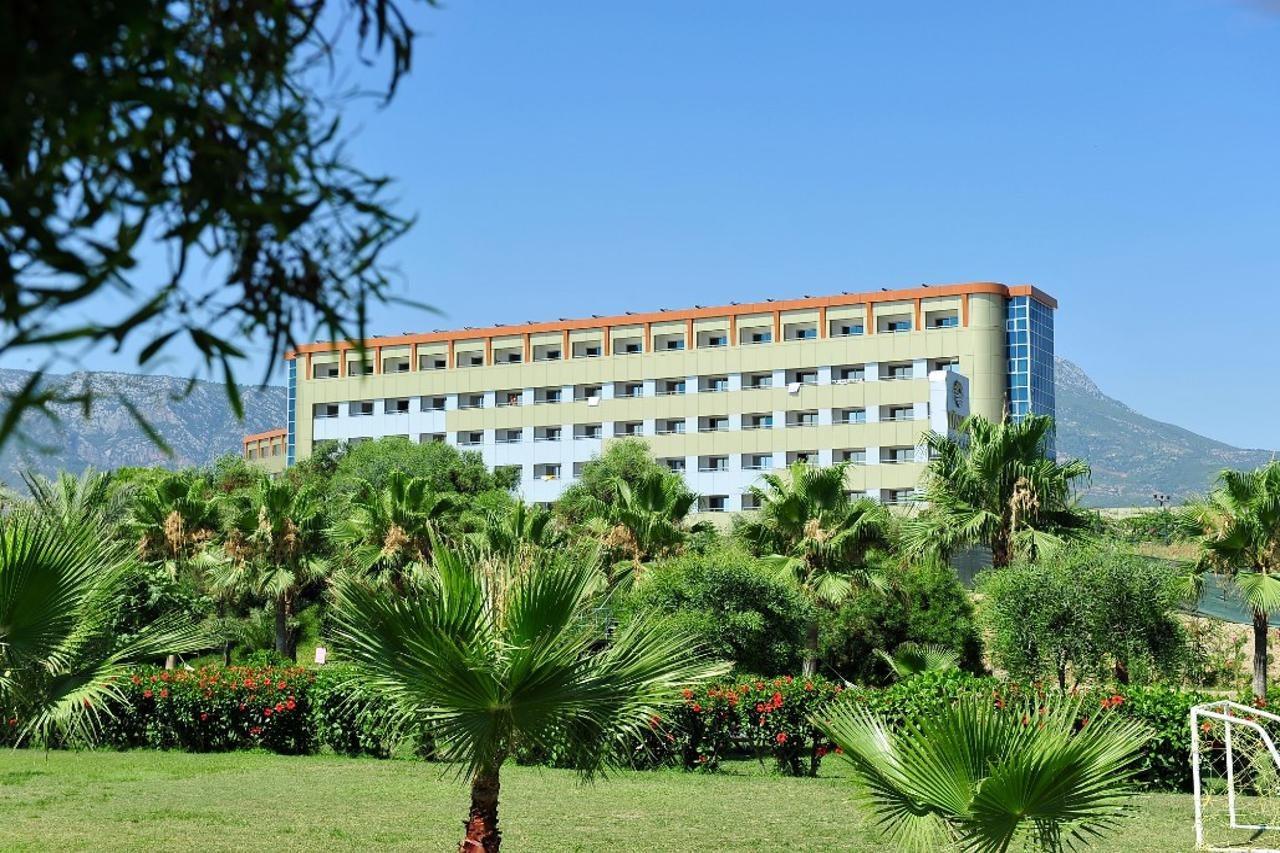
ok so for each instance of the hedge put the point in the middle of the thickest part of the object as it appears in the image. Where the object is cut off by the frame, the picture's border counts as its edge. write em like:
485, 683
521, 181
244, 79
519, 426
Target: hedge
292, 710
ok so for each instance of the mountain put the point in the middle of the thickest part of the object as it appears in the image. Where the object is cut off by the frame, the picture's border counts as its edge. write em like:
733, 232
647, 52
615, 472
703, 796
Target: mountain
198, 425
1132, 455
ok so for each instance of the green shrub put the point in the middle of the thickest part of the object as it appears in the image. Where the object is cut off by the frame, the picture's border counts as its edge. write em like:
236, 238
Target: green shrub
732, 604
924, 604
353, 719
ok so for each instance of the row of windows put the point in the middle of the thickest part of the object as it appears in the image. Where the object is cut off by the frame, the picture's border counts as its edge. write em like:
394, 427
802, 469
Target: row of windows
624, 345
592, 394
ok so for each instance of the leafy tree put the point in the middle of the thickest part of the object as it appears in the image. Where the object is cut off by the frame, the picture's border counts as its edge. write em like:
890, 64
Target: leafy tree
496, 654
206, 129
273, 551
988, 780
1084, 611
71, 501
173, 519
387, 531
627, 461
61, 589
923, 603
444, 468
1237, 528
817, 537
993, 485
732, 603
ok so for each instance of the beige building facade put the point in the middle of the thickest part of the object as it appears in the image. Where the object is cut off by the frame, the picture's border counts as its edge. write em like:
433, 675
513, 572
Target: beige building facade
720, 394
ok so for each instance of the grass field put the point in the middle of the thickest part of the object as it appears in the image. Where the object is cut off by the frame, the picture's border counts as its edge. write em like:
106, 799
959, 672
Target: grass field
148, 800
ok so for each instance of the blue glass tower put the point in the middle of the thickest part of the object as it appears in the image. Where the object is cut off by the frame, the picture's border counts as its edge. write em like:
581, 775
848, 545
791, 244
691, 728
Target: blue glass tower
1029, 342
291, 422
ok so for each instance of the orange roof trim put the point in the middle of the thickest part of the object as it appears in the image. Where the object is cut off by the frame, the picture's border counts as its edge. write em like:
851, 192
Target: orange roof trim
690, 314
263, 436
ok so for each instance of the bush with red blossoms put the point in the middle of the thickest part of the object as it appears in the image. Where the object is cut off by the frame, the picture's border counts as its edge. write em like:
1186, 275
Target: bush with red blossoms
214, 709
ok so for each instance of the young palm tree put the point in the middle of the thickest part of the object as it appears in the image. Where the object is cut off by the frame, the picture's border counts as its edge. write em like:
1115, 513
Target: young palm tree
913, 658
493, 653
1237, 528
388, 531
993, 485
647, 521
521, 526
274, 550
61, 587
983, 779
817, 536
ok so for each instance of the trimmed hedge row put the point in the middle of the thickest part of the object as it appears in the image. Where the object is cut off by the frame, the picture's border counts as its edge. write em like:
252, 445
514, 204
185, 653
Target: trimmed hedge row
293, 710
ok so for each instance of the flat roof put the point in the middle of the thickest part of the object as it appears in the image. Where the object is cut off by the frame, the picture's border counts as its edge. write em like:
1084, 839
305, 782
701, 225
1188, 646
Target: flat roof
695, 313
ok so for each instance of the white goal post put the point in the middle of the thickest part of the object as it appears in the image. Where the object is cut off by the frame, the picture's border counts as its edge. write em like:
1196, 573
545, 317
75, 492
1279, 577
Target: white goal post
1241, 747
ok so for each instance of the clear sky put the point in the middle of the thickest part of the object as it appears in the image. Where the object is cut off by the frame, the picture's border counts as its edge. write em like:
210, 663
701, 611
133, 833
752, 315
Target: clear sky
570, 158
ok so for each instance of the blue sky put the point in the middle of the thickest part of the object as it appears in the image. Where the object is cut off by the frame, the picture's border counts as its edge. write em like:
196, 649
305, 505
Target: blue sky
570, 158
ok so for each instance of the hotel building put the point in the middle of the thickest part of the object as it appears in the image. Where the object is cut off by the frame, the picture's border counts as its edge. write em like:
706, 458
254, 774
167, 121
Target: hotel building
720, 393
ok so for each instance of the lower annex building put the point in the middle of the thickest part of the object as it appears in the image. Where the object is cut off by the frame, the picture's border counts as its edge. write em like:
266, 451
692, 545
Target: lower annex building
720, 394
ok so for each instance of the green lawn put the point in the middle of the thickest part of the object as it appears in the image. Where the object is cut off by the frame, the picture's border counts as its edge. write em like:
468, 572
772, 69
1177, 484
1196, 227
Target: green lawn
154, 800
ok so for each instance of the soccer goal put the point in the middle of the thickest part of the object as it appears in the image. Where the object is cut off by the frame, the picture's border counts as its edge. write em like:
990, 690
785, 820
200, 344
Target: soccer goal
1235, 777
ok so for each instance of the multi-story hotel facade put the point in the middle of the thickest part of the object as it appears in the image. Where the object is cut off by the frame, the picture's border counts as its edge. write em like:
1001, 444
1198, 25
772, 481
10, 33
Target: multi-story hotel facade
720, 394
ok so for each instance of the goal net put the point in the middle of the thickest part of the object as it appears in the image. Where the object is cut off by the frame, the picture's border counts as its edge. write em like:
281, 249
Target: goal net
1235, 774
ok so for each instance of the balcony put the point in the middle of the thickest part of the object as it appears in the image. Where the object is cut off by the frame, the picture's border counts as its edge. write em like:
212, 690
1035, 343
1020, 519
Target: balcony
508, 398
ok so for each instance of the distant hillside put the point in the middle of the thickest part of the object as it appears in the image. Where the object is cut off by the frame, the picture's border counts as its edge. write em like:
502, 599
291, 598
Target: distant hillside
199, 425
1132, 455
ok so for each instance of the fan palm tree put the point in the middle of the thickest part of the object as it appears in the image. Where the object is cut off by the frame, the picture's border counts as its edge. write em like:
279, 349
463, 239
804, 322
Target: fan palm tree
985, 779
817, 537
273, 550
61, 587
993, 485
645, 521
913, 658
521, 526
1237, 528
493, 653
173, 519
388, 531
70, 500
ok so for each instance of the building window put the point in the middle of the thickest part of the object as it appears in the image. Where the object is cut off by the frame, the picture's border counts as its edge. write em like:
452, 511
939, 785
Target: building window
509, 397
853, 456
675, 464
547, 471
471, 439
471, 401
757, 461
360, 408
509, 436
627, 390
326, 410
759, 420
845, 328
396, 364
427, 437
670, 387
713, 423
802, 419
433, 404
712, 503
849, 373
588, 431
709, 464
397, 406
625, 429
549, 433
897, 413
709, 384
850, 416
755, 381
670, 426
901, 370
946, 321
327, 370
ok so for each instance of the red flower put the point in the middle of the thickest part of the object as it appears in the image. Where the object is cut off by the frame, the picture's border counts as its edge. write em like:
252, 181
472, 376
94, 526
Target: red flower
135, 679
164, 692
13, 721
279, 685
146, 694
820, 751
279, 707
839, 751
781, 738
203, 716
291, 704
687, 693
790, 679
266, 712
808, 686
697, 708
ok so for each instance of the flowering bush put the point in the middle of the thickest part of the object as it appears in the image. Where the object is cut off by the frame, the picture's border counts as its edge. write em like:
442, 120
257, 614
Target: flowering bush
214, 709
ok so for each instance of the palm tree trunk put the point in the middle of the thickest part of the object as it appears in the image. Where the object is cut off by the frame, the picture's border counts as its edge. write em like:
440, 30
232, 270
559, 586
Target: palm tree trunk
282, 627
1000, 551
482, 835
1260, 654
811, 648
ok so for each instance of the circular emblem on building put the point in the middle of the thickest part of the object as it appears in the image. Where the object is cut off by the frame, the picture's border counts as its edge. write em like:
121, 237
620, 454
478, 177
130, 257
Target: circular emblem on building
957, 393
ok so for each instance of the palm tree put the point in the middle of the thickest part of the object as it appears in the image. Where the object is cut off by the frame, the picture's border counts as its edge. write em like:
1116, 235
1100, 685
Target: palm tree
70, 500
1237, 528
273, 548
913, 658
61, 588
817, 536
521, 526
645, 521
173, 519
983, 779
388, 531
993, 485
493, 653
